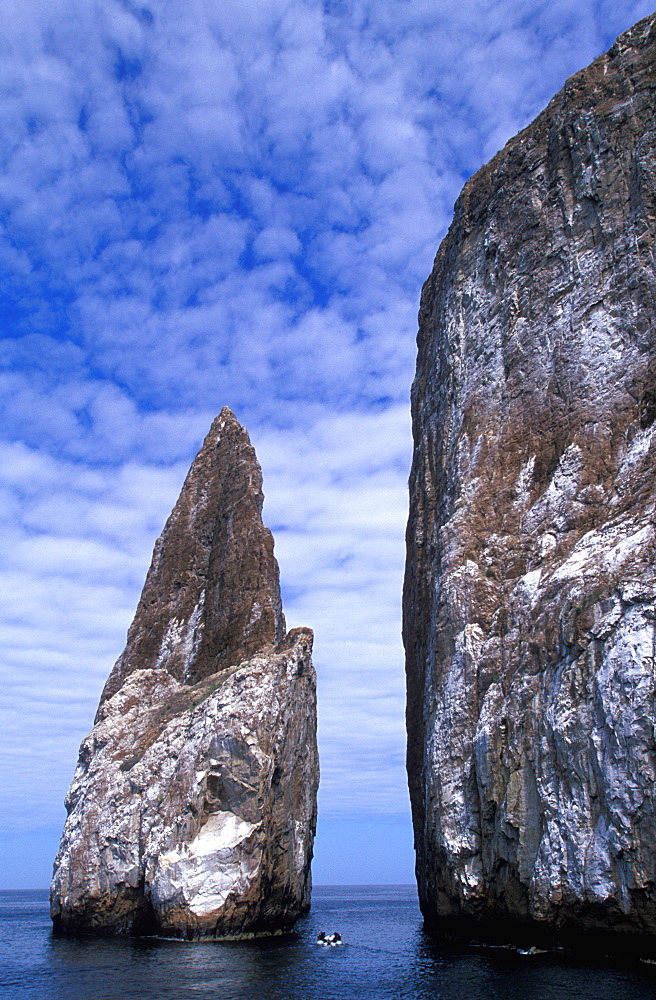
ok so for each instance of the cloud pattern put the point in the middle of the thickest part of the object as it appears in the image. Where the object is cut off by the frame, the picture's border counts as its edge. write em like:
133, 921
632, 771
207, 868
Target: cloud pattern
232, 203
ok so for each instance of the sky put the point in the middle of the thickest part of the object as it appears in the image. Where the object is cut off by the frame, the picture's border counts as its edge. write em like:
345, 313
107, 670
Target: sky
232, 202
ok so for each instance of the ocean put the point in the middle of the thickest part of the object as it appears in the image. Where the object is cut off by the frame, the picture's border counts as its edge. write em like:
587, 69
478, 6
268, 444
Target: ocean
386, 955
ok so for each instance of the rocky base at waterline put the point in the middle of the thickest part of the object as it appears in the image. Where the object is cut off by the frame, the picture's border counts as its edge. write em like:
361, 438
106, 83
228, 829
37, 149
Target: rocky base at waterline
193, 808
530, 589
187, 808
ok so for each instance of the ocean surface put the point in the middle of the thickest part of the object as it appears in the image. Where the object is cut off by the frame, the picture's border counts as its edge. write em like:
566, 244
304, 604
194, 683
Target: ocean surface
387, 954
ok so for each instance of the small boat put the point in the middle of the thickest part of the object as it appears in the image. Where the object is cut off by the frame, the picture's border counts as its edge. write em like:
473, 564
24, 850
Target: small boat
329, 939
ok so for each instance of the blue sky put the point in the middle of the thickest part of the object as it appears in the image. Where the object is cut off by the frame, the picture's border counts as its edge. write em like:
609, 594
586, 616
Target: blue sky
210, 202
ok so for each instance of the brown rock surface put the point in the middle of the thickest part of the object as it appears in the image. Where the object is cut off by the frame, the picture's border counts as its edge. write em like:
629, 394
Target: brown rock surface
212, 593
193, 807
530, 589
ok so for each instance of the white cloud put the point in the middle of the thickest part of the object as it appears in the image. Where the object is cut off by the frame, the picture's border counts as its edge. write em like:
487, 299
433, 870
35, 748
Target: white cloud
202, 204
336, 499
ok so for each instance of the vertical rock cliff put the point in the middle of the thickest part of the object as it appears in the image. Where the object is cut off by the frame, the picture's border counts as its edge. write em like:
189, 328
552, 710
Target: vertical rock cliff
193, 807
530, 586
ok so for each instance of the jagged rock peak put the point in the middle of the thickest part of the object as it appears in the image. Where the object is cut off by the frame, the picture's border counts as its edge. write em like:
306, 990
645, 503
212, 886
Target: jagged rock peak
530, 587
192, 810
212, 593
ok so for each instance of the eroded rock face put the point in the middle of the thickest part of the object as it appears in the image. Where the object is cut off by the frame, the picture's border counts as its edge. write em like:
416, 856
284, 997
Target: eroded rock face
212, 593
530, 588
193, 807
